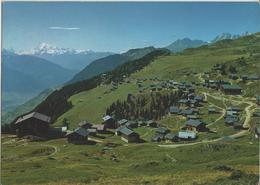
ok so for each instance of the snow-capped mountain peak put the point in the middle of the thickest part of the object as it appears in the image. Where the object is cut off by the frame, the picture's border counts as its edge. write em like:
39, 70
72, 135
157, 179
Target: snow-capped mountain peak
48, 49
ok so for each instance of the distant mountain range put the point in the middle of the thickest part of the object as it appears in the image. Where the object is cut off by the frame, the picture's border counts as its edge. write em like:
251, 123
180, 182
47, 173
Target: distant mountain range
182, 44
109, 63
24, 76
229, 36
68, 58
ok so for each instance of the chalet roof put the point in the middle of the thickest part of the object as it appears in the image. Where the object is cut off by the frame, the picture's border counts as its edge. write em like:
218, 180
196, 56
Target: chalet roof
107, 117
233, 108
174, 109
129, 123
183, 101
253, 77
162, 130
122, 121
211, 109
84, 123
150, 122
231, 119
192, 117
199, 98
99, 126
157, 137
80, 131
256, 114
193, 122
170, 136
186, 134
92, 130
36, 115
231, 87
187, 112
257, 130
125, 130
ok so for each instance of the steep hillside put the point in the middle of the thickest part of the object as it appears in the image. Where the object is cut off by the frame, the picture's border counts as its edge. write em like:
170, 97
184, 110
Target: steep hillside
182, 44
57, 103
92, 104
109, 63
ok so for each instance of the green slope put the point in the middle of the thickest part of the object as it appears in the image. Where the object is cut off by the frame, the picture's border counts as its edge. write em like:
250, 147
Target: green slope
109, 63
91, 105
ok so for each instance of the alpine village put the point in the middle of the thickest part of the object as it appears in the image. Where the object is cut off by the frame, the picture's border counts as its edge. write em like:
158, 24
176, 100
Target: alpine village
189, 117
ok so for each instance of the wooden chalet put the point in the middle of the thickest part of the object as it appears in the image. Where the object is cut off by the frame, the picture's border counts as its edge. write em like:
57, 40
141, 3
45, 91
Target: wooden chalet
121, 122
187, 135
212, 110
78, 136
85, 124
151, 123
109, 122
127, 134
131, 124
233, 76
100, 128
231, 89
174, 110
256, 114
197, 125
257, 132
162, 130
258, 100
34, 123
238, 125
171, 137
230, 120
157, 138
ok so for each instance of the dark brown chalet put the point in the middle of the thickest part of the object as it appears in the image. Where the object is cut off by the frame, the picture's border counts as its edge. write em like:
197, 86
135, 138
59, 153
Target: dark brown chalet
78, 136
32, 124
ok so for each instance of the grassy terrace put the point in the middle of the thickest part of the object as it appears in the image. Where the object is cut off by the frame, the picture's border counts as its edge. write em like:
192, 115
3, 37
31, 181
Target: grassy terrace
58, 162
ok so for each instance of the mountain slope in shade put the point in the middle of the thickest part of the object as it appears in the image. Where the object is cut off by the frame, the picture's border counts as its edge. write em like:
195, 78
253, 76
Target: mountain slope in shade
109, 63
66, 57
182, 44
25, 76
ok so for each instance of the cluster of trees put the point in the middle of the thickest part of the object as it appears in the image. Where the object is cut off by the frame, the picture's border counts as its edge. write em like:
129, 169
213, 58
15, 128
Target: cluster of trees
144, 107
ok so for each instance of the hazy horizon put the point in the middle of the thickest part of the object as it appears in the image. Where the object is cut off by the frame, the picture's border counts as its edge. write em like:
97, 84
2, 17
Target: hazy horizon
120, 26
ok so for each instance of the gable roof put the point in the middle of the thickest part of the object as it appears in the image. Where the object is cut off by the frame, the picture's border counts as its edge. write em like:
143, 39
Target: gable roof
99, 126
80, 131
36, 115
125, 130
187, 112
170, 136
174, 109
231, 87
84, 123
162, 130
186, 134
122, 121
193, 122
107, 117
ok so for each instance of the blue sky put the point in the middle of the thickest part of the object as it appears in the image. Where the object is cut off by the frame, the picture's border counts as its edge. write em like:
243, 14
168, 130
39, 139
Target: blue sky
119, 26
